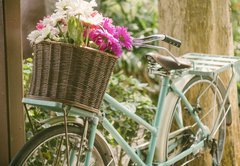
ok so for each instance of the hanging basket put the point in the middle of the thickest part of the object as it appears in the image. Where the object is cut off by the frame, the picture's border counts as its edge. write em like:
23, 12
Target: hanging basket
77, 76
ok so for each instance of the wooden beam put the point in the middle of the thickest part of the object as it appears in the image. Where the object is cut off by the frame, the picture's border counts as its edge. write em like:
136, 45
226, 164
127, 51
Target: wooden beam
4, 139
13, 53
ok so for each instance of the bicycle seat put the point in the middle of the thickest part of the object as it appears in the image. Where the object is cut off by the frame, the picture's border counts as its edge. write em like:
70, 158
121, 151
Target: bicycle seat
168, 62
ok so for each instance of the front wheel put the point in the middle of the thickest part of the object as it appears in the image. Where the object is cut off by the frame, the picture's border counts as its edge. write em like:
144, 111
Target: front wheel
48, 148
181, 130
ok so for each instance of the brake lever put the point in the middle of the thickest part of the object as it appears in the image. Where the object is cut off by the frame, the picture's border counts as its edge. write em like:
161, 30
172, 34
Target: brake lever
161, 37
148, 39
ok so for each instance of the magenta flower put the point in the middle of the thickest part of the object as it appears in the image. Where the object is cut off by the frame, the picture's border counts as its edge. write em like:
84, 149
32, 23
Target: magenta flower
105, 41
124, 37
99, 38
110, 38
107, 24
116, 49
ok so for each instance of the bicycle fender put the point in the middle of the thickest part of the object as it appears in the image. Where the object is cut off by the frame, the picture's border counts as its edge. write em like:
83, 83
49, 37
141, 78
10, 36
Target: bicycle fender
170, 99
227, 104
182, 82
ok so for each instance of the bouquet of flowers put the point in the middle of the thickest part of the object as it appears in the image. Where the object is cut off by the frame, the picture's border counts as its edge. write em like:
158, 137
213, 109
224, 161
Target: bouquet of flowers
76, 22
75, 50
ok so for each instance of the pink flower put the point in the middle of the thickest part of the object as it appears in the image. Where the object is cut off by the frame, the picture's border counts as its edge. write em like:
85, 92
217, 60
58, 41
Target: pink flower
124, 37
40, 25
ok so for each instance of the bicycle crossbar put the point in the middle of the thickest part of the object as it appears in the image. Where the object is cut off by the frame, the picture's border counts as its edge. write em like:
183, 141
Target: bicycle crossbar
127, 112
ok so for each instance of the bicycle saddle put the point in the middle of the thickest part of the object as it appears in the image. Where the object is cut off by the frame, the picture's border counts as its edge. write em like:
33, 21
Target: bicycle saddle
168, 62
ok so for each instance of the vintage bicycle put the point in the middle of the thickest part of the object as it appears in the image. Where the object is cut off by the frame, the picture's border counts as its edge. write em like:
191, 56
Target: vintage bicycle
192, 113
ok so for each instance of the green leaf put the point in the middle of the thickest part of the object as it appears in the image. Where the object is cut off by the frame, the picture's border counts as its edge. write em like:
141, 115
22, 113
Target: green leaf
75, 30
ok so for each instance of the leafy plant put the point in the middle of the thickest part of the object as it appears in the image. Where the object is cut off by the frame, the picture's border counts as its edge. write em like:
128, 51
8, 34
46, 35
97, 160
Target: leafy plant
141, 18
133, 94
235, 6
36, 114
27, 73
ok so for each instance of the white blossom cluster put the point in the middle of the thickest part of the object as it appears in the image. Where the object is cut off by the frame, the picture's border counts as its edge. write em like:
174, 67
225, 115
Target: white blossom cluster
54, 27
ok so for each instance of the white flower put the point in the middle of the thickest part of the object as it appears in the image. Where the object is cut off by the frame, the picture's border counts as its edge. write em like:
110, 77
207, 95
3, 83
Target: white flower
55, 26
53, 19
39, 39
46, 31
43, 34
33, 36
75, 7
54, 32
61, 6
58, 17
37, 36
94, 19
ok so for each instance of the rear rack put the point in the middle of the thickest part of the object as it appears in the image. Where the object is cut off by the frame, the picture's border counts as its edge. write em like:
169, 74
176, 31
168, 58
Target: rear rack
211, 65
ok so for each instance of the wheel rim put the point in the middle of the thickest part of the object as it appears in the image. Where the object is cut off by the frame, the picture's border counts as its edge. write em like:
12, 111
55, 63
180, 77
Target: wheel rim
190, 132
53, 152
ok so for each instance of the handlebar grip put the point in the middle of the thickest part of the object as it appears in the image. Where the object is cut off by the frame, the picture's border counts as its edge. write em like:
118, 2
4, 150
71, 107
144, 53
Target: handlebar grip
172, 41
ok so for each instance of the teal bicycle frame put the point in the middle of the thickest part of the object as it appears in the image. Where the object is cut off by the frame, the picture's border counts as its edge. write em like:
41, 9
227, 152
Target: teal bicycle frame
211, 68
153, 128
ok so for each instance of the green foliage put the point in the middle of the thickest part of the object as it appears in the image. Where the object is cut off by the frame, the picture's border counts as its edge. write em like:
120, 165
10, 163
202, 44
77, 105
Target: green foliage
75, 31
235, 6
141, 18
133, 95
238, 87
27, 73
36, 114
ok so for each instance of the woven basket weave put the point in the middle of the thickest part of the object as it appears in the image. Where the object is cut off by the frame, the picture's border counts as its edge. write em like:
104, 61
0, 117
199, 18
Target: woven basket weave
73, 75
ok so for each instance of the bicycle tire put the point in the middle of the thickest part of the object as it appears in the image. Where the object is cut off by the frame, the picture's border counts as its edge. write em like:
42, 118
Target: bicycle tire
168, 121
100, 151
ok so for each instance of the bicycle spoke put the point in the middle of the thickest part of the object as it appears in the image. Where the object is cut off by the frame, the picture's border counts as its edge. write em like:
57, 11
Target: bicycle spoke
205, 115
48, 148
58, 152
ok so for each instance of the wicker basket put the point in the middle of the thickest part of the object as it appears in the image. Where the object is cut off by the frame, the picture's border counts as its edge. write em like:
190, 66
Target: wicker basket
73, 75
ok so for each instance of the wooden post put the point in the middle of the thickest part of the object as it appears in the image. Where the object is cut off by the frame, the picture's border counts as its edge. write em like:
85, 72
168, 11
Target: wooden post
4, 139
11, 88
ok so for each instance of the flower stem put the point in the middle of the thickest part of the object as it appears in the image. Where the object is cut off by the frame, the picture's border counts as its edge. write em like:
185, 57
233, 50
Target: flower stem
87, 35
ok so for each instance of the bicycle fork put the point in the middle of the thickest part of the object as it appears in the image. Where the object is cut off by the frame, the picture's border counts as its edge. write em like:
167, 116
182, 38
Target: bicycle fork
91, 139
83, 146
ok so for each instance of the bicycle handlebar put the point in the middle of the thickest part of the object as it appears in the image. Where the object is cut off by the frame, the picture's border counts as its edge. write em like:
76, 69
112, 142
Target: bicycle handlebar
172, 41
161, 37
142, 42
